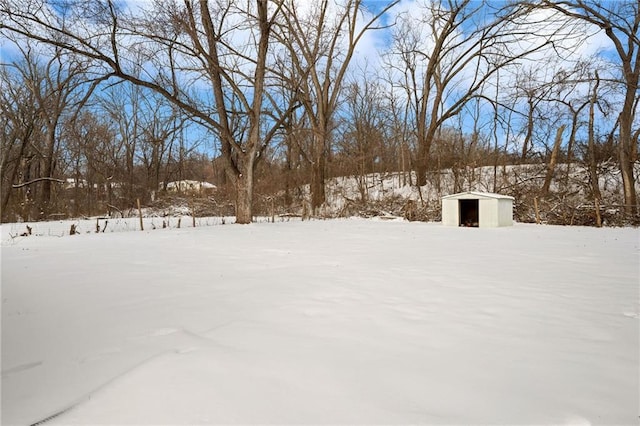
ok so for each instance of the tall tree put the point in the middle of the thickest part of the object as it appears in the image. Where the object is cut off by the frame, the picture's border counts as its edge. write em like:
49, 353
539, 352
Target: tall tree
445, 54
620, 21
62, 94
593, 171
210, 59
58, 90
533, 86
364, 139
322, 39
21, 125
94, 159
123, 104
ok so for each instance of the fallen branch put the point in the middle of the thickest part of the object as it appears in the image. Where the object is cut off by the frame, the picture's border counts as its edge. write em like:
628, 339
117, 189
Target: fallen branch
115, 208
20, 185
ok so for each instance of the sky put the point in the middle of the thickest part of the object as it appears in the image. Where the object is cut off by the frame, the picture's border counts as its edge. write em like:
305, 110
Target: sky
375, 44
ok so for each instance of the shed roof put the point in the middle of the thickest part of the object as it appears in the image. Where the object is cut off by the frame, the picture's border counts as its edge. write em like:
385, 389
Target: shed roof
476, 195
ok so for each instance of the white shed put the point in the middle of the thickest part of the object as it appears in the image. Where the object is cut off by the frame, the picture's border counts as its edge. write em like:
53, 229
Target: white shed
477, 209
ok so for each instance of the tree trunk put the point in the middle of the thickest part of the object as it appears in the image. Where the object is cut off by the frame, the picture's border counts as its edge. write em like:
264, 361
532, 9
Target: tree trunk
625, 152
318, 195
49, 166
244, 197
425, 139
572, 139
403, 165
552, 161
421, 165
14, 173
529, 135
593, 171
421, 173
288, 171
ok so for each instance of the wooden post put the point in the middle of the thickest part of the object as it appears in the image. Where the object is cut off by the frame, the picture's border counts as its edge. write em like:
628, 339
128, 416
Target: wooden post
140, 213
273, 209
192, 207
535, 205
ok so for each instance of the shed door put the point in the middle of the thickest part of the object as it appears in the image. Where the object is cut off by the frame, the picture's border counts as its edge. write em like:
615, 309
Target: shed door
469, 213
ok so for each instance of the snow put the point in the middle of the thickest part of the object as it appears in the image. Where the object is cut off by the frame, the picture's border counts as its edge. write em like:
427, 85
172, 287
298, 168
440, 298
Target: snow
338, 321
172, 217
386, 186
188, 185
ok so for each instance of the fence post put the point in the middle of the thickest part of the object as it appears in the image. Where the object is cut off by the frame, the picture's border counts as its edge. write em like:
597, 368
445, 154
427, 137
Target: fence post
140, 213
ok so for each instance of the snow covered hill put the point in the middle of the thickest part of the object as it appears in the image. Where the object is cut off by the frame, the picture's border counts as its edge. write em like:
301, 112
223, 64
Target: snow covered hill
337, 321
569, 201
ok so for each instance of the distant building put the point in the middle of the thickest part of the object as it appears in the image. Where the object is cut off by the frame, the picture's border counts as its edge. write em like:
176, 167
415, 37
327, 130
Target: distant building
477, 209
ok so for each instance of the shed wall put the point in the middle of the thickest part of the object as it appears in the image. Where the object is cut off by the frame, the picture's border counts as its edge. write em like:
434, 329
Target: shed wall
488, 213
505, 212
450, 214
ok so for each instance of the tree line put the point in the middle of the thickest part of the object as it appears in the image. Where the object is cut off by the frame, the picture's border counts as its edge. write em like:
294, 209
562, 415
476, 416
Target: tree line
106, 102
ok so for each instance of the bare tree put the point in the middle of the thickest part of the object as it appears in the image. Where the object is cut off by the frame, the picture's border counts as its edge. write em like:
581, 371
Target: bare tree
364, 139
620, 21
63, 94
570, 100
160, 128
445, 56
322, 42
210, 59
21, 124
57, 88
401, 134
122, 104
593, 172
534, 86
551, 165
94, 159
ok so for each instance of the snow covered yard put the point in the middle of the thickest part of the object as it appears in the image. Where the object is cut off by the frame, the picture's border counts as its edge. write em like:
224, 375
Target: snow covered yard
342, 321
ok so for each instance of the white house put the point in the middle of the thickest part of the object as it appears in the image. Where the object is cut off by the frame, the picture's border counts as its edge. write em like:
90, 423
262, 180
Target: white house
477, 209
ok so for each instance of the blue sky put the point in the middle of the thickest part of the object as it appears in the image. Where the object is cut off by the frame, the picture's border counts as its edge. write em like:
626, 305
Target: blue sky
376, 42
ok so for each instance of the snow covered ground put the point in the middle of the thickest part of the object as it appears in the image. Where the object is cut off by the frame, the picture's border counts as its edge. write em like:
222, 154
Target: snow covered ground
341, 321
